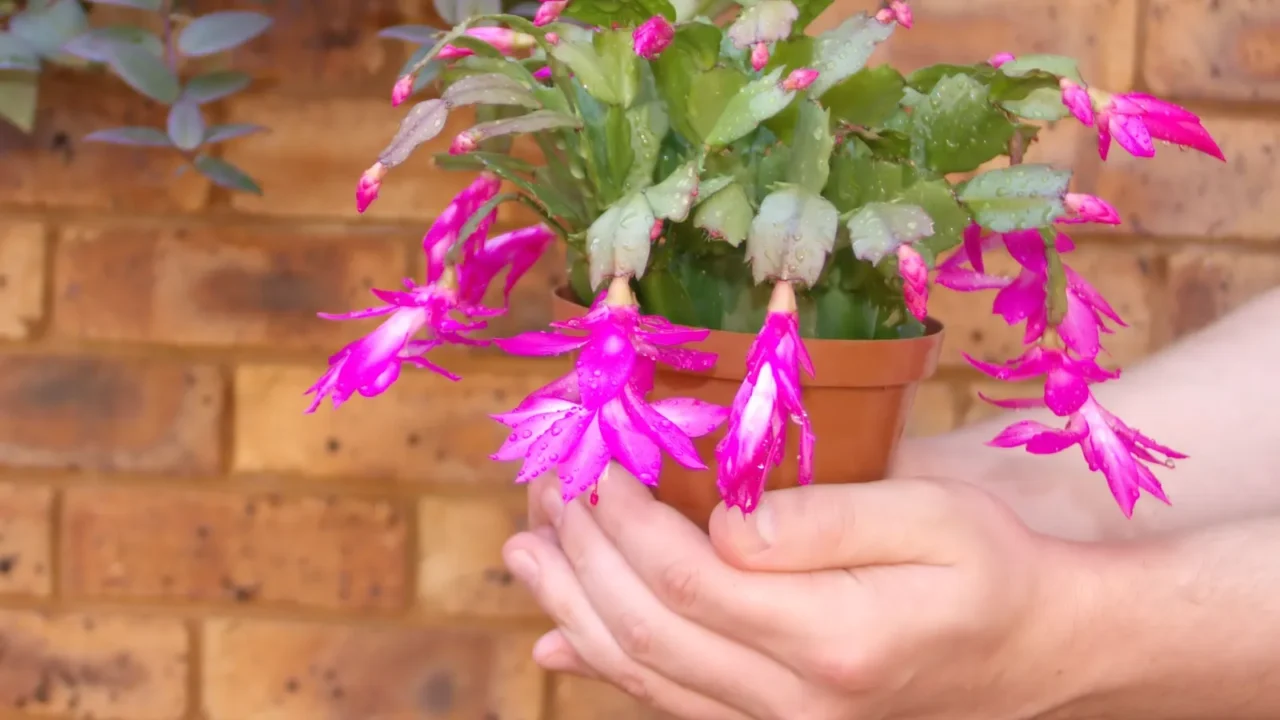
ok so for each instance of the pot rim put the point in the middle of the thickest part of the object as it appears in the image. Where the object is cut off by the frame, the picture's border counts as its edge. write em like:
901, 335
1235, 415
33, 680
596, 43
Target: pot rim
838, 363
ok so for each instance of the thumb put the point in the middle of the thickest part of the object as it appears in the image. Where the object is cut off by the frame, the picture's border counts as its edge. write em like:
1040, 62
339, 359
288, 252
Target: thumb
828, 527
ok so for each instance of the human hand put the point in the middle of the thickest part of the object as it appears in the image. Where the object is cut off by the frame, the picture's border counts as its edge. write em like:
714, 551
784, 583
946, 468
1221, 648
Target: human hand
894, 599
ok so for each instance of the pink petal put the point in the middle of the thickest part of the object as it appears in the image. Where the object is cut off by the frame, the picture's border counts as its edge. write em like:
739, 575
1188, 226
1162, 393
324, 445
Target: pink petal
1027, 247
540, 344
1104, 135
1142, 104
604, 364
1132, 134
631, 446
1022, 299
1077, 284
531, 408
555, 444
426, 364
1079, 328
694, 417
686, 359
1186, 134
1064, 391
1013, 403
664, 432
1032, 364
969, 281
526, 429
359, 314
804, 474
1148, 481
973, 247
1021, 433
581, 470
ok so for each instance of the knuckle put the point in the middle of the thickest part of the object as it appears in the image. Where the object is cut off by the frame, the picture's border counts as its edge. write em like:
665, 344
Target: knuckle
678, 586
634, 685
634, 636
845, 668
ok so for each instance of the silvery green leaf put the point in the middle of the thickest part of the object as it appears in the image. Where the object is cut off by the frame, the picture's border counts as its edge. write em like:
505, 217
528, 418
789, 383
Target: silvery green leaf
455, 11
686, 10
16, 54
416, 34
618, 241
1059, 65
489, 89
649, 124
18, 93
134, 136
619, 64
423, 122
230, 131
148, 5
756, 102
725, 214
226, 175
709, 187
1016, 198
144, 72
587, 66
46, 29
536, 121
215, 85
95, 45
878, 229
844, 50
220, 31
766, 21
672, 198
811, 148
791, 236
186, 125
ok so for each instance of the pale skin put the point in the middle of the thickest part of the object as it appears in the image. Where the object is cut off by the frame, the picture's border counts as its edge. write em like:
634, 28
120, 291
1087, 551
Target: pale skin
974, 584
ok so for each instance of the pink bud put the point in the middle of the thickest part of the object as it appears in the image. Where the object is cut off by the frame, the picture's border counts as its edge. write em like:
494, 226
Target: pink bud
915, 281
543, 73
898, 11
367, 188
506, 40
1089, 209
652, 37
464, 143
549, 12
1000, 58
759, 56
552, 38
1077, 100
799, 79
402, 90
656, 231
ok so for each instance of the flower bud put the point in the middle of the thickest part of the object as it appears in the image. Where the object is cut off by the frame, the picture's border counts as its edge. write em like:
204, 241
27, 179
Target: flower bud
402, 90
898, 11
552, 38
549, 11
759, 56
465, 142
799, 79
656, 231
652, 37
915, 281
368, 186
1089, 208
1077, 100
1000, 59
543, 73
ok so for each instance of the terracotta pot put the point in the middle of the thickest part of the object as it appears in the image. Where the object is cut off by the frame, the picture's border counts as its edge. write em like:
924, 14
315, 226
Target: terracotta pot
858, 404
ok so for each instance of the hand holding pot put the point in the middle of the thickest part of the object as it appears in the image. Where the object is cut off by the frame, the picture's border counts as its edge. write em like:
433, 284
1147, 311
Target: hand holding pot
893, 599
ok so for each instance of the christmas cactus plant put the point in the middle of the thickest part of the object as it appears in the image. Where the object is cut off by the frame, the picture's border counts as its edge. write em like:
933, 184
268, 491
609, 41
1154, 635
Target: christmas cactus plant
716, 168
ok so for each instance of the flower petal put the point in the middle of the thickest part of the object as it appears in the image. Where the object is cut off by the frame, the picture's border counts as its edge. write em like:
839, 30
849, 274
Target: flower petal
664, 432
632, 447
581, 470
560, 439
540, 344
694, 417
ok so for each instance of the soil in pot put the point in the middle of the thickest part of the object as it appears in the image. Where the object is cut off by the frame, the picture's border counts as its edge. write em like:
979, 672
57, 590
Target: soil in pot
858, 404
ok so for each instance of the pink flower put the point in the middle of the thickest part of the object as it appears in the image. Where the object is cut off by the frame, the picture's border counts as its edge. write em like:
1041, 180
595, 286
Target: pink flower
516, 252
1089, 209
652, 37
1136, 120
598, 412
1077, 100
915, 281
1067, 379
799, 79
464, 142
507, 42
549, 11
768, 399
898, 11
543, 73
369, 185
402, 90
443, 233
1000, 59
1120, 452
759, 56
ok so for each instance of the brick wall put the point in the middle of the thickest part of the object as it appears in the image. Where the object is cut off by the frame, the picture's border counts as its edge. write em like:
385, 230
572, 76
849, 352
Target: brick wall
178, 541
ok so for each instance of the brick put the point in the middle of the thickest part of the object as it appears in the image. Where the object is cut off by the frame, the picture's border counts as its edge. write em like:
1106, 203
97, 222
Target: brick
25, 531
1123, 273
1187, 194
279, 670
424, 429
1213, 49
93, 666
310, 165
1206, 284
104, 414
460, 568
173, 545
934, 410
54, 168
225, 286
577, 698
22, 260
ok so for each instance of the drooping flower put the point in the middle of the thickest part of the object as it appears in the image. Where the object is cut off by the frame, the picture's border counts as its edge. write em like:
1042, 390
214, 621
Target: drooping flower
1077, 100
652, 37
799, 79
506, 40
768, 399
549, 11
897, 11
915, 281
1067, 379
516, 252
402, 90
598, 412
1000, 59
1136, 120
444, 232
369, 185
1089, 209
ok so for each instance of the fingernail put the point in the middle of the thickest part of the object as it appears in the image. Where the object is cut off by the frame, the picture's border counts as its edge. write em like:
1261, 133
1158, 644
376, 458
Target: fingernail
762, 523
522, 565
553, 505
546, 646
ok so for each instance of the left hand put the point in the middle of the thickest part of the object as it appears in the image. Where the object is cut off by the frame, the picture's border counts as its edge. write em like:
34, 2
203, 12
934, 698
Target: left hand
892, 599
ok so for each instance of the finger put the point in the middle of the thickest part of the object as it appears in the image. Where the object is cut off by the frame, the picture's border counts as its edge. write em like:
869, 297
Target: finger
661, 640
546, 571
536, 489
829, 527
554, 653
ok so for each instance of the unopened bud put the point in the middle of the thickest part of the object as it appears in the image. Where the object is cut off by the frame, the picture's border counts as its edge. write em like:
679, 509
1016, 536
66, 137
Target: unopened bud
652, 37
465, 142
1090, 208
543, 73
549, 11
898, 11
655, 232
915, 281
368, 186
799, 79
759, 56
1077, 100
402, 90
1000, 59
552, 38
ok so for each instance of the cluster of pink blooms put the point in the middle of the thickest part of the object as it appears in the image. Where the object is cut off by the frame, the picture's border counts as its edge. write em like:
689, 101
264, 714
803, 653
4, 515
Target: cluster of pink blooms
601, 411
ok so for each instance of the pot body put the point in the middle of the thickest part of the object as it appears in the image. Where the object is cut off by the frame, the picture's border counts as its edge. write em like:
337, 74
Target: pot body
858, 404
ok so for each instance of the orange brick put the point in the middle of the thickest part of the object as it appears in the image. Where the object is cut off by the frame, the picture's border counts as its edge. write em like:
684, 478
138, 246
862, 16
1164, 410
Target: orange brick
331, 553
25, 529
460, 568
102, 414
1206, 284
281, 671
225, 286
54, 168
580, 699
1186, 194
1213, 49
1123, 273
22, 256
424, 429
934, 410
93, 666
